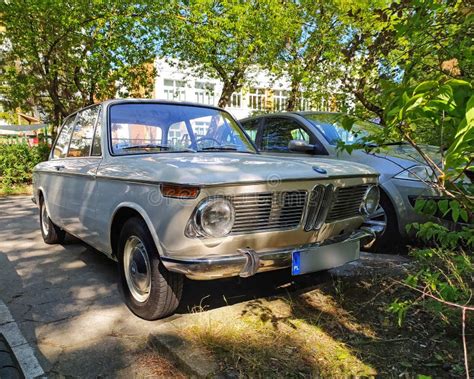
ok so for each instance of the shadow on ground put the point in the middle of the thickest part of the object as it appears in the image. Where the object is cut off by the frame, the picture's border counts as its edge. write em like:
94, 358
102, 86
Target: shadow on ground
66, 301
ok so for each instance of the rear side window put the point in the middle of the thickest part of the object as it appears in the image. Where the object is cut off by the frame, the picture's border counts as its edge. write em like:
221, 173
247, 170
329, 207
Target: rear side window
83, 133
62, 143
251, 128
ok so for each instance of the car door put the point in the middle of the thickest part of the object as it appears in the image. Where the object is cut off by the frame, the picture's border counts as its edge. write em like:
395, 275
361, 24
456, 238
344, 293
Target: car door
80, 169
52, 180
277, 132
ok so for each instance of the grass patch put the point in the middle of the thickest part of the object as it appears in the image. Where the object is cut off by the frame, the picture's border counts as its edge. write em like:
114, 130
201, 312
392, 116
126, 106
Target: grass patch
340, 328
17, 189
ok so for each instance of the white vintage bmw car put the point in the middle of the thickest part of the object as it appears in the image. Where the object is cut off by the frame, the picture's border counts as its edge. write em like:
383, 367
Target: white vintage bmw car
176, 189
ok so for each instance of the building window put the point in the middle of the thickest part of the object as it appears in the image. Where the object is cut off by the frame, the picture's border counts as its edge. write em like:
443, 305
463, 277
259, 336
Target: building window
204, 93
304, 104
257, 98
175, 89
236, 100
280, 100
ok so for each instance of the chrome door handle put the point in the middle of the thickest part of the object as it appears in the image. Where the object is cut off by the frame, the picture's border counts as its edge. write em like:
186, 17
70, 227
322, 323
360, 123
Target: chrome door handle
59, 167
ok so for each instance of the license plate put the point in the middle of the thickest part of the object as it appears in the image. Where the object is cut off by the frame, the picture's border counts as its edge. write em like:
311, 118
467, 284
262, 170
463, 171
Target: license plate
319, 258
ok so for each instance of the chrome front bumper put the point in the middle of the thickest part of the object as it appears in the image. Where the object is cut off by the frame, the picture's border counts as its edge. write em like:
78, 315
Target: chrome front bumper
248, 262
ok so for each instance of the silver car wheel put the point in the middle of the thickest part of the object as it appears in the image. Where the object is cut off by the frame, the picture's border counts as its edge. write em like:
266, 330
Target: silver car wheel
137, 269
44, 220
378, 220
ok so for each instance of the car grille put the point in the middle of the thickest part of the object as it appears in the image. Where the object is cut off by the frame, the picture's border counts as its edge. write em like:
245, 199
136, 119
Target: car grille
268, 211
320, 201
329, 205
347, 201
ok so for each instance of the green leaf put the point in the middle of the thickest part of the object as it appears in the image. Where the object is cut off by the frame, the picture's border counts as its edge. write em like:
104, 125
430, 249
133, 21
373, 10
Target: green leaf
425, 86
419, 205
455, 214
463, 214
443, 206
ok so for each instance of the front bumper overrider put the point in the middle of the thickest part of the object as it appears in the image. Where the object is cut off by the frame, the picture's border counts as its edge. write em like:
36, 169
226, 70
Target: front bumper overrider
247, 262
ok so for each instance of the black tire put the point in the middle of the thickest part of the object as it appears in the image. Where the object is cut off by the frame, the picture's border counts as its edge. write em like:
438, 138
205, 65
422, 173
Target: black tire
52, 234
165, 288
390, 240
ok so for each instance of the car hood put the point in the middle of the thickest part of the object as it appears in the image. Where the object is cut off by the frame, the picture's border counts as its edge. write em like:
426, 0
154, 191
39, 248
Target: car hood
219, 168
407, 156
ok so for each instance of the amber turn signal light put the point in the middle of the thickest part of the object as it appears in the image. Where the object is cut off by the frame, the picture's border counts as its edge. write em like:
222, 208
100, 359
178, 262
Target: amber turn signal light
180, 192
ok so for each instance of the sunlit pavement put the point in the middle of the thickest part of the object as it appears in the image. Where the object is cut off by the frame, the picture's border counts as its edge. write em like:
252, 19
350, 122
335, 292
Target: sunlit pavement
65, 299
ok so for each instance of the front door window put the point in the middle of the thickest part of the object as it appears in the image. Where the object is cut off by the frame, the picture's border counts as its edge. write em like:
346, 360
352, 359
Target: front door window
278, 132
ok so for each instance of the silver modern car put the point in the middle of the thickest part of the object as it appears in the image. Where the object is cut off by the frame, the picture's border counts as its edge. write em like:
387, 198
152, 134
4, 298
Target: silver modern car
303, 134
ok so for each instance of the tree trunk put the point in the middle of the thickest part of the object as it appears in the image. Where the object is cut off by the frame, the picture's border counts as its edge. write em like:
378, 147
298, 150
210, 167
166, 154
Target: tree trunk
230, 86
292, 103
370, 106
226, 94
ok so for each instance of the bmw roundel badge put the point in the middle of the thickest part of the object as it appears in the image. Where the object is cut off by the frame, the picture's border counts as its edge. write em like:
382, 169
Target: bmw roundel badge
319, 170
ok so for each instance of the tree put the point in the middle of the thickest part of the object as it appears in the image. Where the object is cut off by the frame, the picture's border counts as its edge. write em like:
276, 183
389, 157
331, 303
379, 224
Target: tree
390, 42
223, 39
307, 57
61, 55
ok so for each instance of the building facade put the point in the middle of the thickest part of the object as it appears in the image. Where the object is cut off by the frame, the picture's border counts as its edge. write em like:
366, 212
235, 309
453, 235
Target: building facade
261, 93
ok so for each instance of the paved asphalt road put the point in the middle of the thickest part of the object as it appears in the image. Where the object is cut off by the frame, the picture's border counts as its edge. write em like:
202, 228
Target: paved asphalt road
66, 303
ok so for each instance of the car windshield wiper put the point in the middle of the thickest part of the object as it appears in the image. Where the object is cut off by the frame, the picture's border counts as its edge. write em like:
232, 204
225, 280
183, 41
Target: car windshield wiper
219, 148
146, 146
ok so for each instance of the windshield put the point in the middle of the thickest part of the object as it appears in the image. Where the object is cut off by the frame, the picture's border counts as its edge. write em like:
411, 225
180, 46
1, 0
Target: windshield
330, 126
138, 128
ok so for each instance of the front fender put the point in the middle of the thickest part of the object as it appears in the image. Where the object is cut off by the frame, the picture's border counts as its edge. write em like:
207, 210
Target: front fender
141, 211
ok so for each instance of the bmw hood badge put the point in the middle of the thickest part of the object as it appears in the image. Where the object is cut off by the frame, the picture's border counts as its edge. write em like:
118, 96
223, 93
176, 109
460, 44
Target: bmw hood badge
319, 170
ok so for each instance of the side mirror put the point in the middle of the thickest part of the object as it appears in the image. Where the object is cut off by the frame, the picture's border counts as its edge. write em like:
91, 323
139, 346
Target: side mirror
300, 146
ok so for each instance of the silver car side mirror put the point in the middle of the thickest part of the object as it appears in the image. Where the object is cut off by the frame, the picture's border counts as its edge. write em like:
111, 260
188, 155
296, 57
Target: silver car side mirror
300, 146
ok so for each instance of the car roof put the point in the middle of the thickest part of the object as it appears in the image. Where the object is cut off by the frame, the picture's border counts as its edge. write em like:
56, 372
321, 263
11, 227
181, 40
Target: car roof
291, 113
158, 101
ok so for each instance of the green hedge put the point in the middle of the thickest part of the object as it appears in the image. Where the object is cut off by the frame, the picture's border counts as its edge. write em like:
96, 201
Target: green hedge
17, 162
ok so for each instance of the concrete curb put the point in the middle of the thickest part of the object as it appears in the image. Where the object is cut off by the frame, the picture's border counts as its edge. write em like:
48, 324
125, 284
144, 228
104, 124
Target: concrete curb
188, 359
23, 352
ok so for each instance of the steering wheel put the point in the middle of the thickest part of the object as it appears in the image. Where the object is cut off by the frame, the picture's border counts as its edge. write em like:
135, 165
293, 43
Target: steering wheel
199, 140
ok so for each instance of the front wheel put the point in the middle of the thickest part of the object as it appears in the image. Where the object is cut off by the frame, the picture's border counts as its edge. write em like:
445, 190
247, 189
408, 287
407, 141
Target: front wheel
150, 291
52, 234
384, 220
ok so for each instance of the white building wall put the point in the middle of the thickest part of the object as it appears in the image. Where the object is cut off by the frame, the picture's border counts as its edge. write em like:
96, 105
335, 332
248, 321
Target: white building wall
175, 83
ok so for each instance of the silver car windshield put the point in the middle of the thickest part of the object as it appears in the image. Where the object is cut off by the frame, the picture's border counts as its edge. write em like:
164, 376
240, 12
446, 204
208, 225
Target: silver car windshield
330, 126
138, 128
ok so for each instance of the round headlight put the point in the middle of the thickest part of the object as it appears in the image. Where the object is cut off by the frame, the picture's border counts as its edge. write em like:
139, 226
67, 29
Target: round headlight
215, 217
371, 200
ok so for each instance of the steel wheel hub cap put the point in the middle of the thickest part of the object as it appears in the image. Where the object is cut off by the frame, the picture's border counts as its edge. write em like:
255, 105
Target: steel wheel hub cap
44, 220
137, 269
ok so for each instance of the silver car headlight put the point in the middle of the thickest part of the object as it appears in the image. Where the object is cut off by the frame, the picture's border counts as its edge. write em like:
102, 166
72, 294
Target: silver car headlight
371, 200
215, 217
419, 173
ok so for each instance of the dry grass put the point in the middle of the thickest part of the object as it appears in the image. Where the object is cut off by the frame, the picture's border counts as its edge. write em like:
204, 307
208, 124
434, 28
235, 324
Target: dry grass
151, 364
270, 340
340, 329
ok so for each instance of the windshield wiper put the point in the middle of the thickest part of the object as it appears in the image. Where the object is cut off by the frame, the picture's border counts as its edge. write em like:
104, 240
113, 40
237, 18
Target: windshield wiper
219, 148
146, 146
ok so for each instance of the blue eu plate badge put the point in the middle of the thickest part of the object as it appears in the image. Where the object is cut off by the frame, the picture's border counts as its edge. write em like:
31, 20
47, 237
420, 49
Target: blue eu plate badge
295, 263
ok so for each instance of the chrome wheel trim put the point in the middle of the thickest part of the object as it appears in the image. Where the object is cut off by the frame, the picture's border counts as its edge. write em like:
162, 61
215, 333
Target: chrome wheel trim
378, 220
137, 268
44, 220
